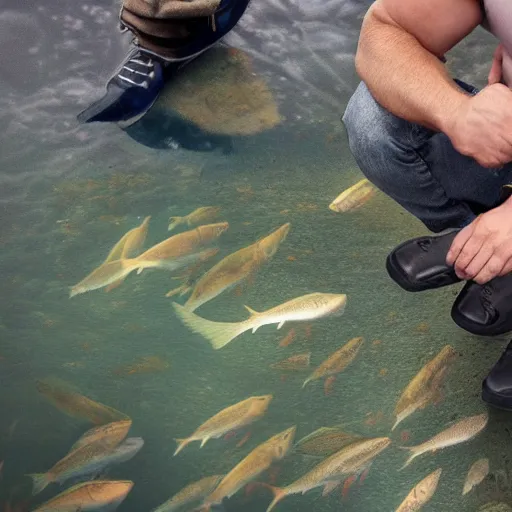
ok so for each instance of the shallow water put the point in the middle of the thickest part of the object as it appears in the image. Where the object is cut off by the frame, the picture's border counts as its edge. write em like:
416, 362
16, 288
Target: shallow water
68, 193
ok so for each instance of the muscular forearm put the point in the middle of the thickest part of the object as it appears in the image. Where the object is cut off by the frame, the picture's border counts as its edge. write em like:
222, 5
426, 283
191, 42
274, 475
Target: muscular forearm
404, 77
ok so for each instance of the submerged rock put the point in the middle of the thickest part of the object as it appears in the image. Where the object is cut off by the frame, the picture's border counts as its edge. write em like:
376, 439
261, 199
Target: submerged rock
222, 95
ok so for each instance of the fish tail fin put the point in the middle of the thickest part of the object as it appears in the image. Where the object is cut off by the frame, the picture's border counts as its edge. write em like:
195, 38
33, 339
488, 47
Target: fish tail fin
279, 494
181, 444
40, 481
173, 222
308, 380
219, 334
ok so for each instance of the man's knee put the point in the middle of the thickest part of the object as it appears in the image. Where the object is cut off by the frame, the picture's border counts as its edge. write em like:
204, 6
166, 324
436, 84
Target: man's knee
372, 131
366, 122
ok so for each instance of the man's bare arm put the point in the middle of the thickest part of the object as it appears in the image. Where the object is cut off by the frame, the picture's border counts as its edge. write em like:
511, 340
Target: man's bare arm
398, 52
397, 57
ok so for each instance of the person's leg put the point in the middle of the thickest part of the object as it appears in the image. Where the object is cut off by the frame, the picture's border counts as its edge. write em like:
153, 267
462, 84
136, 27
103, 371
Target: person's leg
167, 35
416, 167
427, 176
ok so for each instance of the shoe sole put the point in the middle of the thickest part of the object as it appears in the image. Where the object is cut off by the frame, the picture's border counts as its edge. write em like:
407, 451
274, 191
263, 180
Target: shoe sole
473, 328
505, 404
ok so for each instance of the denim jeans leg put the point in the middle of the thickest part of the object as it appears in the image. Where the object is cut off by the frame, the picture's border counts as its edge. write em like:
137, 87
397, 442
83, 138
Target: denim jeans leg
417, 167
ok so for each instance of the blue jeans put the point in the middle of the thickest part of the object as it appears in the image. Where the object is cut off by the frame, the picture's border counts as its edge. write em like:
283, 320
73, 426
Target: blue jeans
418, 168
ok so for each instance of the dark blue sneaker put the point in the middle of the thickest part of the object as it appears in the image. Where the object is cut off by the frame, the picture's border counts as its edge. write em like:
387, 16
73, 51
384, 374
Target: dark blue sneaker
134, 88
130, 92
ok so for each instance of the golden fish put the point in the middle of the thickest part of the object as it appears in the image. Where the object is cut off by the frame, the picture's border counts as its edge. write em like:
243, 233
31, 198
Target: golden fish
114, 271
354, 197
89, 496
460, 432
337, 361
197, 217
235, 267
425, 386
185, 243
476, 474
193, 493
304, 308
294, 363
61, 395
109, 435
130, 245
259, 460
231, 418
421, 493
86, 458
325, 441
329, 473
175, 252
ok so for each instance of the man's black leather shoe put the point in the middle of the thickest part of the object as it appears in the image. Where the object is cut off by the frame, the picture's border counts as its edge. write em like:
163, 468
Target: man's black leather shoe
420, 264
485, 310
497, 386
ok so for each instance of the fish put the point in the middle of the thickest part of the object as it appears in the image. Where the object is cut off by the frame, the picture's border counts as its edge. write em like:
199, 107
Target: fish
64, 397
249, 468
460, 432
306, 307
235, 267
193, 493
109, 435
171, 254
353, 459
354, 197
185, 243
476, 474
87, 459
421, 493
130, 245
231, 418
117, 270
89, 496
198, 216
337, 361
325, 441
294, 363
424, 387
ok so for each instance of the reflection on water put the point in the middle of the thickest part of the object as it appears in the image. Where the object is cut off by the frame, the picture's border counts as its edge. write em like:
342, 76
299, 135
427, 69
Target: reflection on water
69, 193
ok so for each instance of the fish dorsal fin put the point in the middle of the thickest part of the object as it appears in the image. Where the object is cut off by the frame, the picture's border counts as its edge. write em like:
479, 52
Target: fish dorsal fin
251, 311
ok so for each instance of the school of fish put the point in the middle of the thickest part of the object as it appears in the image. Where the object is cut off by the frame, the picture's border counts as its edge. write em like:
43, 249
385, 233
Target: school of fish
340, 457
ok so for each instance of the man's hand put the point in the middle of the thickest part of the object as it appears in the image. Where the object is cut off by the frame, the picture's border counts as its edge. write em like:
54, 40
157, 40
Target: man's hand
481, 126
483, 250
